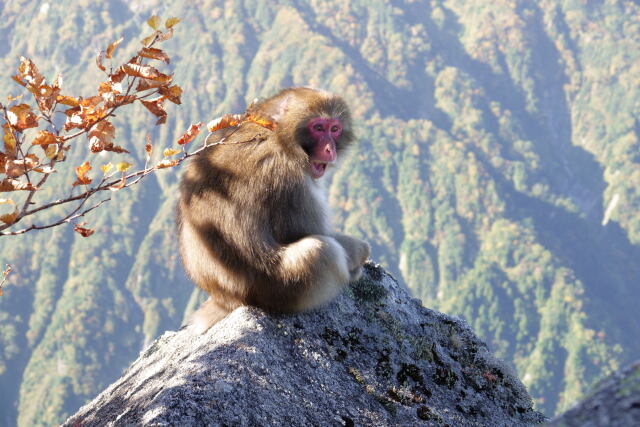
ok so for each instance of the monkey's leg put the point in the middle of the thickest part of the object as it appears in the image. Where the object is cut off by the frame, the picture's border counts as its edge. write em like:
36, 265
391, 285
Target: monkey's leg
358, 252
209, 313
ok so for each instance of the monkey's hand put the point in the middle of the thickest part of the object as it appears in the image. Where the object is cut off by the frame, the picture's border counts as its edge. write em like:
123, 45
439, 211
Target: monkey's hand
358, 252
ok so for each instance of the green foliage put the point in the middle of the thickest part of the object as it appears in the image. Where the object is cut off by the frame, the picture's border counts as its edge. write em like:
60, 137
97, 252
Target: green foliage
493, 136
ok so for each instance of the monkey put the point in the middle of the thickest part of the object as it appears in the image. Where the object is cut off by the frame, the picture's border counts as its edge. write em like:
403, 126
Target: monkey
252, 216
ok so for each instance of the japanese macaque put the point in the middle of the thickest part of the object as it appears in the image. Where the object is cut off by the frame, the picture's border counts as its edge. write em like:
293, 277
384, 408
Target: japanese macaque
252, 217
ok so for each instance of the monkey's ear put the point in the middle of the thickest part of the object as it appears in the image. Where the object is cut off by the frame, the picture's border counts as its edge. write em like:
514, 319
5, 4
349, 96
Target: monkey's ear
282, 108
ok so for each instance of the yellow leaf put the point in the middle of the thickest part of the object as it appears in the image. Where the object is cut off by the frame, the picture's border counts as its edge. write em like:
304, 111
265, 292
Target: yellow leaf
112, 47
123, 166
154, 22
9, 142
10, 217
170, 152
51, 151
145, 41
171, 22
106, 168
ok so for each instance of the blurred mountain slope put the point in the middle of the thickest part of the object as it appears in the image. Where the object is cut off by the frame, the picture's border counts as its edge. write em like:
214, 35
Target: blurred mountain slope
493, 137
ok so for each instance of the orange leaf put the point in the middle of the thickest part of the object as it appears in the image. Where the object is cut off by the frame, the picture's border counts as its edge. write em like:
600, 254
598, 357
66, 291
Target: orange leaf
225, 121
146, 84
29, 73
190, 134
154, 53
9, 184
81, 172
84, 232
67, 100
148, 148
45, 138
117, 76
172, 93
21, 117
112, 47
156, 107
146, 71
19, 80
17, 167
262, 121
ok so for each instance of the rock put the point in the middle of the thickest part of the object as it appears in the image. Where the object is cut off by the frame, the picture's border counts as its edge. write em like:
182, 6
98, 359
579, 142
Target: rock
615, 402
374, 356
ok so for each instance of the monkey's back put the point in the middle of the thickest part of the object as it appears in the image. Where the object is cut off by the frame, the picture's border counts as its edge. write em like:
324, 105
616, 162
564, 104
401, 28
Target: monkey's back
239, 203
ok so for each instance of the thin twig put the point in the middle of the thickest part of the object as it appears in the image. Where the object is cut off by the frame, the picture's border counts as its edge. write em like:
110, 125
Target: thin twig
54, 224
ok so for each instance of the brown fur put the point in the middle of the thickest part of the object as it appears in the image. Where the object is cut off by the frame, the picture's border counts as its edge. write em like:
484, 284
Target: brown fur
253, 225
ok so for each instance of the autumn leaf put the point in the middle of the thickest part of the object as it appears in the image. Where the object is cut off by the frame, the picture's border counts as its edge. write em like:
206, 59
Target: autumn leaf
9, 218
19, 80
157, 109
106, 168
112, 47
17, 167
51, 151
21, 117
67, 100
29, 73
9, 184
9, 141
45, 138
84, 232
81, 172
170, 22
172, 93
154, 22
190, 134
145, 71
147, 40
167, 163
12, 98
146, 84
262, 121
154, 53
148, 148
225, 121
168, 152
123, 166
101, 134
99, 57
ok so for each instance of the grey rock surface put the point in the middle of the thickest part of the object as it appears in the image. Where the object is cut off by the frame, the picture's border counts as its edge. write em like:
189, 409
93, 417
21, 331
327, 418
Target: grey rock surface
615, 402
374, 356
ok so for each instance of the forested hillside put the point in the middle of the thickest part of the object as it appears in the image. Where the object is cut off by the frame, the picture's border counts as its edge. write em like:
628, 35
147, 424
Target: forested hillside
497, 175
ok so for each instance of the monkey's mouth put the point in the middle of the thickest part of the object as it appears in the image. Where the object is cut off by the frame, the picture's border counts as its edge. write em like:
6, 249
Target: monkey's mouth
318, 168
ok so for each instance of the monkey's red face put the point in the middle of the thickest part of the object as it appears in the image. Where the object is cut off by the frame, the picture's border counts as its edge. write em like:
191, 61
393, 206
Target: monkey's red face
324, 133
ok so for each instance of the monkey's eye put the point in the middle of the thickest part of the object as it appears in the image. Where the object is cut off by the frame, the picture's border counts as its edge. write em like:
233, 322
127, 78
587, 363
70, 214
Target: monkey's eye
318, 127
334, 129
